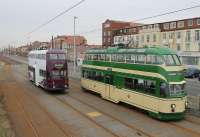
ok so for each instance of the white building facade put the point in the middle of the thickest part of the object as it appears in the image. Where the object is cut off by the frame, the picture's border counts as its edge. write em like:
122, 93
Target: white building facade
181, 35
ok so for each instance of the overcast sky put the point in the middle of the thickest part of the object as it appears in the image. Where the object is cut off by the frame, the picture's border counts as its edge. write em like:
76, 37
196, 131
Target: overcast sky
18, 17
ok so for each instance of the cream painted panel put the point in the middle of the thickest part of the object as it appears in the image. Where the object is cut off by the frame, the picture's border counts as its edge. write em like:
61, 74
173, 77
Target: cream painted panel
114, 94
165, 105
137, 99
94, 86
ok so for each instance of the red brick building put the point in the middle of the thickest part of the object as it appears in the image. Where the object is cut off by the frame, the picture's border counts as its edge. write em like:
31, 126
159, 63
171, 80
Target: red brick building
67, 41
109, 26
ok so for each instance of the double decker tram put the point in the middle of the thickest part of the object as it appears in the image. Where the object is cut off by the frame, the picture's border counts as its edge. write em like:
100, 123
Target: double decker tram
48, 69
151, 79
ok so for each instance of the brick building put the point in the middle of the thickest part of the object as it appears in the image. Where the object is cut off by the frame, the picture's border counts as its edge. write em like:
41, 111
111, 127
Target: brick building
180, 35
67, 42
109, 26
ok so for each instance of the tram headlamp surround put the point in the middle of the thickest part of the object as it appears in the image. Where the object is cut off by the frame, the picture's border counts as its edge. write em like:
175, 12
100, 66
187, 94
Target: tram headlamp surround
186, 104
173, 106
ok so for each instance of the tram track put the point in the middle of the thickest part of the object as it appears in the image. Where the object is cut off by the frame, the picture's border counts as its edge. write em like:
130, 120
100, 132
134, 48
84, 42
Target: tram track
87, 117
139, 132
79, 112
193, 132
56, 123
19, 95
190, 131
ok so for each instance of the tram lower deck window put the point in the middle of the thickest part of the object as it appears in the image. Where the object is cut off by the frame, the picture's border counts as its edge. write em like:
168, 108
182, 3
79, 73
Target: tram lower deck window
147, 86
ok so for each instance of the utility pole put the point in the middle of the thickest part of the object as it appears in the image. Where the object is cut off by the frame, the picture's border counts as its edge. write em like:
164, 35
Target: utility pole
52, 43
75, 43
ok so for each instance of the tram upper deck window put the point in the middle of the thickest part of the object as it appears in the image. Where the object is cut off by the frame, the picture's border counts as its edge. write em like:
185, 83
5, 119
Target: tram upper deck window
154, 59
177, 60
53, 56
121, 58
130, 58
95, 57
140, 59
169, 61
107, 58
88, 57
113, 57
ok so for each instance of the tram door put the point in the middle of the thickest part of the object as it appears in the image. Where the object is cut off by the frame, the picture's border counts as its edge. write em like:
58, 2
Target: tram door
109, 83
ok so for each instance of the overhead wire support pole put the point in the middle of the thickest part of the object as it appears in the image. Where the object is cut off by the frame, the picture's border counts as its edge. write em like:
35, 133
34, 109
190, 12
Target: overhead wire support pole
75, 43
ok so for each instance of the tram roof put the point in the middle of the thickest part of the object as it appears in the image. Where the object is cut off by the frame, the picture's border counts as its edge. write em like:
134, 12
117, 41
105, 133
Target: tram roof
117, 50
46, 51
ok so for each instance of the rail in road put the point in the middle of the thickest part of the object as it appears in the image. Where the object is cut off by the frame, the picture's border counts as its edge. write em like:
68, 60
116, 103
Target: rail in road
80, 100
182, 127
32, 119
139, 132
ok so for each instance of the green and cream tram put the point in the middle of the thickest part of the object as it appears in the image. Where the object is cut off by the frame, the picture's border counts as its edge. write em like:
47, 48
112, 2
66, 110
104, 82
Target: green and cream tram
148, 78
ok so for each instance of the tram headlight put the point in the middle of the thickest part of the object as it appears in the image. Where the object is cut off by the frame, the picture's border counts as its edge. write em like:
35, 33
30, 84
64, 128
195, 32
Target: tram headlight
173, 106
186, 104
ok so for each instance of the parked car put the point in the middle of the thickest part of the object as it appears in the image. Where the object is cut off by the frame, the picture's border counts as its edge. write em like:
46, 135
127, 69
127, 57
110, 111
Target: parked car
192, 73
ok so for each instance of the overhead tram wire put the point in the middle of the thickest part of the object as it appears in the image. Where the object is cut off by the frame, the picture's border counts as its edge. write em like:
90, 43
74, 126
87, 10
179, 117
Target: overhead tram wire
150, 17
52, 19
167, 13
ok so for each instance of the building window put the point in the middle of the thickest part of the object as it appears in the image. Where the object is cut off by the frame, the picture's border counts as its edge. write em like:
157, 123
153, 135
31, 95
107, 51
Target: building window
171, 35
148, 38
166, 45
188, 36
108, 39
104, 33
142, 38
109, 33
199, 46
197, 35
104, 40
107, 25
154, 37
190, 23
178, 35
150, 26
187, 47
166, 26
164, 36
198, 21
156, 25
178, 47
172, 25
180, 24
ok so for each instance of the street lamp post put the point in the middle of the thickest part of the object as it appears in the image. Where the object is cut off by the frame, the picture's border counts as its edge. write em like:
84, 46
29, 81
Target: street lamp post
75, 43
